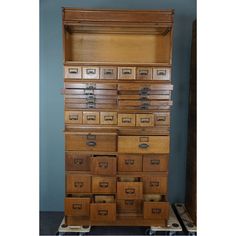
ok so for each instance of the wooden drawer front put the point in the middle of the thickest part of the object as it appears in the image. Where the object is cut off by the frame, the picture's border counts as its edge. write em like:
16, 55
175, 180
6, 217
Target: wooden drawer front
90, 142
77, 161
156, 210
126, 119
129, 190
143, 144
162, 118
144, 120
76, 183
91, 72
90, 106
91, 118
161, 73
108, 118
155, 162
104, 212
72, 72
155, 184
104, 185
126, 73
73, 117
129, 206
77, 206
90, 86
144, 73
130, 163
108, 72
144, 87
103, 165
151, 95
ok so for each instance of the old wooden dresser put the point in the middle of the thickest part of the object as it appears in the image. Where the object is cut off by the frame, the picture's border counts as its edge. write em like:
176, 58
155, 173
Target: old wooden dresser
117, 100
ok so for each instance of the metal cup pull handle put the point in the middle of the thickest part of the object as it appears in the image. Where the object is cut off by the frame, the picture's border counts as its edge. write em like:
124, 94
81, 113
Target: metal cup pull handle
161, 118
161, 72
143, 72
90, 71
156, 210
73, 117
145, 120
103, 212
77, 206
108, 71
91, 117
143, 145
78, 184
154, 183
126, 71
155, 162
126, 120
73, 70
91, 105
108, 118
129, 162
90, 86
103, 164
130, 190
91, 143
103, 184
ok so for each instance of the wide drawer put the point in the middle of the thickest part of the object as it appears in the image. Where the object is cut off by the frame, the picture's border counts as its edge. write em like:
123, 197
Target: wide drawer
90, 106
155, 184
104, 212
151, 95
155, 210
144, 87
103, 185
76, 183
129, 190
76, 161
129, 206
72, 72
91, 86
156, 162
143, 144
129, 163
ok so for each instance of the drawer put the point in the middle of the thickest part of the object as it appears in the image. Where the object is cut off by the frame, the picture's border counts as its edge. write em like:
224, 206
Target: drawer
90, 141
73, 117
106, 185
108, 118
155, 184
103, 165
130, 163
144, 73
90, 86
162, 118
126, 73
104, 212
77, 206
161, 73
129, 190
91, 117
104, 198
155, 210
108, 72
77, 161
155, 162
144, 120
90, 106
144, 88
76, 183
126, 119
143, 144
150, 95
129, 206
91, 72
72, 72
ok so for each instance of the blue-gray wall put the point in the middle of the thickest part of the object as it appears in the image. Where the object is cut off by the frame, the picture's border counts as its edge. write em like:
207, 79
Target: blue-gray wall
51, 102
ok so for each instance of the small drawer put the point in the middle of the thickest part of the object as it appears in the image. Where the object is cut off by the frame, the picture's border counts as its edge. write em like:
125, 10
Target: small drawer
76, 183
155, 162
73, 117
129, 190
126, 73
162, 118
103, 165
144, 120
90, 117
108, 118
77, 206
72, 72
155, 184
76, 161
126, 119
144, 73
104, 185
130, 163
91, 72
156, 210
108, 72
104, 212
129, 206
161, 74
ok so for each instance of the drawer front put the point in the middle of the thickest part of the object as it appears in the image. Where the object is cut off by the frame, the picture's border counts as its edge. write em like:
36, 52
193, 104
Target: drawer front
90, 106
144, 120
103, 165
126, 119
143, 144
144, 73
130, 163
77, 206
156, 210
72, 72
91, 72
129, 206
162, 118
108, 118
144, 88
73, 117
155, 184
90, 86
155, 162
161, 73
104, 212
77, 161
90, 142
106, 185
129, 190
126, 73
108, 72
91, 118
76, 183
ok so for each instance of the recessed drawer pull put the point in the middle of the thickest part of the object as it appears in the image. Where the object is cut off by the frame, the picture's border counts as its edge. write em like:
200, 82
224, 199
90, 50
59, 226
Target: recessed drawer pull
126, 71
129, 162
103, 164
91, 105
145, 120
154, 184
108, 118
103, 184
78, 184
155, 162
143, 145
91, 143
108, 71
129, 202
103, 212
143, 72
130, 190
78, 161
88, 91
73, 117
161, 118
73, 70
161, 72
77, 206
156, 210
91, 96
126, 120
91, 117
90, 71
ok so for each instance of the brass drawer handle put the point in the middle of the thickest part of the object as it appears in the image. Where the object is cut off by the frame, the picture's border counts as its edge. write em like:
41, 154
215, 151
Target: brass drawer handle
91, 105
103, 184
161, 118
156, 210
108, 118
77, 206
78, 184
73, 117
126, 120
89, 92
91, 117
154, 183
103, 164
155, 162
130, 190
90, 71
143, 72
145, 120
73, 70
129, 202
91, 143
103, 212
161, 72
90, 86
91, 96
143, 145
78, 161
108, 72
129, 162
126, 71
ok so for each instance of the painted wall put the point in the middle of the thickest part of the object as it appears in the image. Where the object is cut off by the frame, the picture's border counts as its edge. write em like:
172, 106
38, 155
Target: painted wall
51, 101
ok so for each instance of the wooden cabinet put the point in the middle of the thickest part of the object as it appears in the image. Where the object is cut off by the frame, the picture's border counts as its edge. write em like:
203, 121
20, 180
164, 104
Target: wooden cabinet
117, 103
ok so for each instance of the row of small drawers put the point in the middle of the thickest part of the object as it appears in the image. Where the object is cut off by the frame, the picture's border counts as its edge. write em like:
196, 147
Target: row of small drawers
112, 73
112, 118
